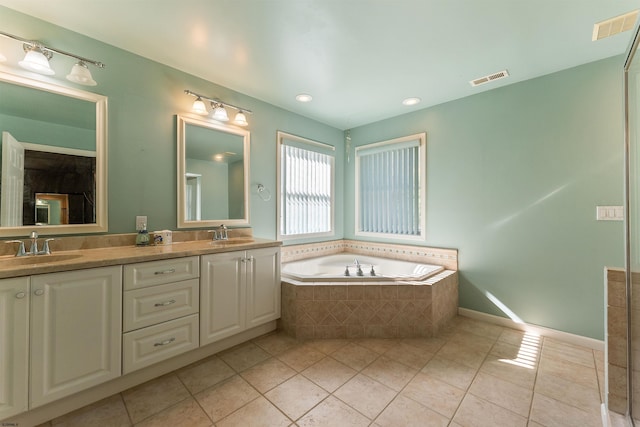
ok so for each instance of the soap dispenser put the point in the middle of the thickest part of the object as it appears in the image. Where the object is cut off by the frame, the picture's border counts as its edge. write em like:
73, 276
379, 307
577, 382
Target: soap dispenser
142, 239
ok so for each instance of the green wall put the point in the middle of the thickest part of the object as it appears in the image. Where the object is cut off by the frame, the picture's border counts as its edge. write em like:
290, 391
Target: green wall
514, 176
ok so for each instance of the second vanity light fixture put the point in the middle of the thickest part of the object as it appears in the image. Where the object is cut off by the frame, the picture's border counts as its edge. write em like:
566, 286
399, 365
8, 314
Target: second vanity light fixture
219, 109
37, 60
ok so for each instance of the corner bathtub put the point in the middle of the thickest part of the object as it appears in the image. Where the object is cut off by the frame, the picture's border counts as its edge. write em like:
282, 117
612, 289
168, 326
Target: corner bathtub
332, 268
403, 300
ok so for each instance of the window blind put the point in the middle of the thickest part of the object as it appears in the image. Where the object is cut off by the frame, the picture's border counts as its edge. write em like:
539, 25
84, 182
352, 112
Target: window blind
306, 188
389, 196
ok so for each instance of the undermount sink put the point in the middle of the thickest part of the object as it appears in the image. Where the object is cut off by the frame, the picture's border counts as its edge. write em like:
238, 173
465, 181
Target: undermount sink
36, 259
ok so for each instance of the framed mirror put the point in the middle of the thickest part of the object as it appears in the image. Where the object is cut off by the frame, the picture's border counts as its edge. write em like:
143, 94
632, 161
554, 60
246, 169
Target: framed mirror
53, 168
213, 174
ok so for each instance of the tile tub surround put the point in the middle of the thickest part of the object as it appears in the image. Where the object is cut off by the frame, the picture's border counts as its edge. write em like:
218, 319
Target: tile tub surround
316, 310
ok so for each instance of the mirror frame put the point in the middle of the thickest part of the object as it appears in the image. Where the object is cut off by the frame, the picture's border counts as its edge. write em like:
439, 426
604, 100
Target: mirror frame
182, 122
100, 101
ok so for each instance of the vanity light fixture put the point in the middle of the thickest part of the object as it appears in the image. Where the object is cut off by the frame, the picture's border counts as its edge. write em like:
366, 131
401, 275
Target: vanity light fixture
220, 113
219, 109
38, 55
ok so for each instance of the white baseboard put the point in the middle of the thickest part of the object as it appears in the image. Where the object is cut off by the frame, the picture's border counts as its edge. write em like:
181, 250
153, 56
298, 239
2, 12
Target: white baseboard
540, 330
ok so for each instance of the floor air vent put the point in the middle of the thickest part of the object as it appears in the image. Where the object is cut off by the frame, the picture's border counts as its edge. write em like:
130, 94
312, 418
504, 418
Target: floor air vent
491, 77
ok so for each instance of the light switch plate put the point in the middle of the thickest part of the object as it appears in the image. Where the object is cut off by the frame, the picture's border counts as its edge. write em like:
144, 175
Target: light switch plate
609, 213
141, 221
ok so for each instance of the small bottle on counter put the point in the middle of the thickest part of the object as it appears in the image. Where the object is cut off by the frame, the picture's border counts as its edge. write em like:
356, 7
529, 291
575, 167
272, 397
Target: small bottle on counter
142, 239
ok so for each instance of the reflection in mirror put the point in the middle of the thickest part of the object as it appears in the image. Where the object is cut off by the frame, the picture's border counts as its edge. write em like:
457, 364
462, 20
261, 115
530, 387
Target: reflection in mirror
53, 158
213, 170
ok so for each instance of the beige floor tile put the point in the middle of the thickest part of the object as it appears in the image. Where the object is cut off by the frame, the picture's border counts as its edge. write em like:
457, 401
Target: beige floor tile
390, 373
333, 413
428, 345
329, 374
513, 370
109, 412
244, 356
555, 349
355, 356
573, 372
154, 396
379, 345
266, 375
478, 342
552, 413
301, 357
276, 343
511, 336
411, 356
434, 394
225, 398
184, 414
502, 393
585, 398
476, 412
367, 396
205, 374
450, 372
328, 346
525, 354
480, 328
405, 412
296, 396
461, 353
47, 424
258, 413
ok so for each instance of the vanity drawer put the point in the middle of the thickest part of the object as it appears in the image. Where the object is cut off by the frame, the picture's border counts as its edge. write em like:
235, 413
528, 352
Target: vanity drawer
153, 344
160, 272
156, 304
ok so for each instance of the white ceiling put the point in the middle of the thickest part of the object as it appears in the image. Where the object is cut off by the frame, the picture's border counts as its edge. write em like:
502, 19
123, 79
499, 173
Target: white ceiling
358, 58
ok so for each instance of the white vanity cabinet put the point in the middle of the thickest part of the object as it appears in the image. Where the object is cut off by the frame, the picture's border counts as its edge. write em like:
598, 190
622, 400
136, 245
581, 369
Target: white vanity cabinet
76, 325
238, 290
161, 303
14, 346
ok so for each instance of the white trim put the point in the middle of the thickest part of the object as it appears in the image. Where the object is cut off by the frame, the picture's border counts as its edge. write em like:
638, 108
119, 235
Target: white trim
540, 330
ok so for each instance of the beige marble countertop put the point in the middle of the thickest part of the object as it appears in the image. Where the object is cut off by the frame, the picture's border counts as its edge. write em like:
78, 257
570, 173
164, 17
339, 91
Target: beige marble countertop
12, 266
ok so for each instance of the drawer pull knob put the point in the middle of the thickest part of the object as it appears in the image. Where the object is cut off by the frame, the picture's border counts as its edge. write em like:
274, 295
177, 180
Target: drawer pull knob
165, 342
39, 292
21, 295
164, 304
169, 271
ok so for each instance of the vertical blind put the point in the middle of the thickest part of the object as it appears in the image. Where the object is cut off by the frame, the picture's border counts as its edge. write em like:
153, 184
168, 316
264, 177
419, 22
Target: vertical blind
389, 198
306, 190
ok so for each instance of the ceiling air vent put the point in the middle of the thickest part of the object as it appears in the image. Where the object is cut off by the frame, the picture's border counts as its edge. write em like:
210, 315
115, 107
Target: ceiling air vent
613, 26
491, 77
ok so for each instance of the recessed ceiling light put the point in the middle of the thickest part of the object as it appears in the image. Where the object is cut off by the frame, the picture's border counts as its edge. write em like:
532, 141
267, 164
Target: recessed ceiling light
411, 101
303, 97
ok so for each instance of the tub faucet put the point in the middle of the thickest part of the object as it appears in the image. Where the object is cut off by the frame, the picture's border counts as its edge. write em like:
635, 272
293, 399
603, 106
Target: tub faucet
359, 268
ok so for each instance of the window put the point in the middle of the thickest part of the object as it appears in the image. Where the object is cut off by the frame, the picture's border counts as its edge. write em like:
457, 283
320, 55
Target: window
389, 190
306, 187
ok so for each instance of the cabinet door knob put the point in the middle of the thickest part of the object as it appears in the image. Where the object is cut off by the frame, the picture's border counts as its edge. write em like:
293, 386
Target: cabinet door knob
39, 292
21, 295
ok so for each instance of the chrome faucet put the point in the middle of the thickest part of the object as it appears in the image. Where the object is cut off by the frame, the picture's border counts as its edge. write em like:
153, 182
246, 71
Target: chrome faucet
34, 246
359, 268
220, 233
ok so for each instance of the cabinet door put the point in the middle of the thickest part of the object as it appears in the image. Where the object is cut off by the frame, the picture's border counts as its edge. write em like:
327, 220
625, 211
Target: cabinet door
263, 286
222, 296
76, 329
14, 346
